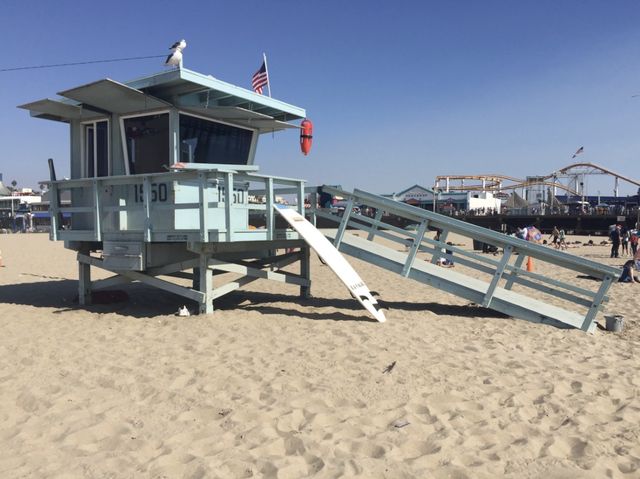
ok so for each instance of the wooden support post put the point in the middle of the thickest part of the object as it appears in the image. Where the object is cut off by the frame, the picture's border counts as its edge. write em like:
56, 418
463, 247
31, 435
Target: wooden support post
206, 285
516, 268
305, 271
203, 190
84, 280
413, 251
486, 301
343, 224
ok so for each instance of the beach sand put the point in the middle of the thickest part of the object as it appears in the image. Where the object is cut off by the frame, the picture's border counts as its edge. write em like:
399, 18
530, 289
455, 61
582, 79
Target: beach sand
278, 387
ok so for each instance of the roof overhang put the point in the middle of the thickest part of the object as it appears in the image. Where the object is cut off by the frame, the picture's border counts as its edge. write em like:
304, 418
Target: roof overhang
59, 111
241, 117
112, 96
180, 88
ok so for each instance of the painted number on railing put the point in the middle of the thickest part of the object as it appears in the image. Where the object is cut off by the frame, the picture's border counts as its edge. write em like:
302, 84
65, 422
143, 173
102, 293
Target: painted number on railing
238, 195
158, 192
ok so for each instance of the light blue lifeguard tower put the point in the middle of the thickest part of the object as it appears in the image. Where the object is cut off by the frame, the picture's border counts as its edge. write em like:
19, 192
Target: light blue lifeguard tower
163, 185
134, 213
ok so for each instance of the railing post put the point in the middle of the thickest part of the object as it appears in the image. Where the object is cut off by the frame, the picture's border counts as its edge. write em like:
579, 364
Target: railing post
53, 211
54, 202
437, 254
228, 200
486, 301
97, 225
301, 198
413, 251
203, 195
313, 201
146, 199
517, 265
269, 218
374, 226
343, 224
596, 304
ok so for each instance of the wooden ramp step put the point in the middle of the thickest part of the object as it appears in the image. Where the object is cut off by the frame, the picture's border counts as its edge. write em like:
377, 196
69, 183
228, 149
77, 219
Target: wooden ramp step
454, 282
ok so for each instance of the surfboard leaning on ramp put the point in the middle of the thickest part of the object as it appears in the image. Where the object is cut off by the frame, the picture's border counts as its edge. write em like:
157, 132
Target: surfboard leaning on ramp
332, 257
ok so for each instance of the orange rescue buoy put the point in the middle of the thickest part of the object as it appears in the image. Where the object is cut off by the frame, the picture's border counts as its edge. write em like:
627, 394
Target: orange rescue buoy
306, 135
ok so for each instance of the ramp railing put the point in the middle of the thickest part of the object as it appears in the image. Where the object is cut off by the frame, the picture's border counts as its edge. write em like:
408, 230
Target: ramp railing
374, 214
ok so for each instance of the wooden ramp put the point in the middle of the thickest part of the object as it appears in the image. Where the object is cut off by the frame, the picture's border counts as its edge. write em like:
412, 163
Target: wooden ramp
505, 301
558, 303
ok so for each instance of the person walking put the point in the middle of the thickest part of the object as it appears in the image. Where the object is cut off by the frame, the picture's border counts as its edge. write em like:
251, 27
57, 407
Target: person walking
562, 244
554, 236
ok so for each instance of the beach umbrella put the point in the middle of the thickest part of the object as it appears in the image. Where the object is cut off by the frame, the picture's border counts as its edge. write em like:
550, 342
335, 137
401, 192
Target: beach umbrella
533, 235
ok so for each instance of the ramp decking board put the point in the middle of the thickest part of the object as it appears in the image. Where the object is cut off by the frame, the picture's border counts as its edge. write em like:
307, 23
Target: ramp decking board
473, 289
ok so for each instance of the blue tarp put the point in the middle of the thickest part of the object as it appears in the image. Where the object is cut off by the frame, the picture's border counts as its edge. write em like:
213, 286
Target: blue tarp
45, 214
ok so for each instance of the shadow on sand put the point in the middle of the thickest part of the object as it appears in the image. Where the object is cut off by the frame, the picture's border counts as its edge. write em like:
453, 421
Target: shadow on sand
140, 301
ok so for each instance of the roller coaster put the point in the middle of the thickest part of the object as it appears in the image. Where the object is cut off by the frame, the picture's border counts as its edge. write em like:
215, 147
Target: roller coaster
569, 179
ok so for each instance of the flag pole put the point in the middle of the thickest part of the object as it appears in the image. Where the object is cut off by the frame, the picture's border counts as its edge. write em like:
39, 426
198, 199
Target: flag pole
266, 69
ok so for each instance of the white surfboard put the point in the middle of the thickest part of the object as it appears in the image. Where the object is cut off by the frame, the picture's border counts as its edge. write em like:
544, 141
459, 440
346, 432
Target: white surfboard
334, 259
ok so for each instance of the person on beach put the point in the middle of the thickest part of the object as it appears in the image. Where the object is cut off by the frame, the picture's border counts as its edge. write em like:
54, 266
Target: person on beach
624, 242
636, 259
554, 236
446, 262
633, 241
614, 236
627, 273
562, 244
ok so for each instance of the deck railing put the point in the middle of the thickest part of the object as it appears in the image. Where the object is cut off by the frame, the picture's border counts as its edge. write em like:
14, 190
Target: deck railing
173, 206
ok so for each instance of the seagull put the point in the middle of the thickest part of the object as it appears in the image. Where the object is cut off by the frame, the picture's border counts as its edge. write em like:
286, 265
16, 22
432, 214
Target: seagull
182, 44
175, 58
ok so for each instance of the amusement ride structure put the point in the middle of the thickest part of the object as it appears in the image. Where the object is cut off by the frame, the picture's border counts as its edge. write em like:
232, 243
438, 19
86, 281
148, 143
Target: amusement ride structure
571, 179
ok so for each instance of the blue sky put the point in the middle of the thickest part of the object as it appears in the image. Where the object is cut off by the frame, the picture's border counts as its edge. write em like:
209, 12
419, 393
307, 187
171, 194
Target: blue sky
399, 92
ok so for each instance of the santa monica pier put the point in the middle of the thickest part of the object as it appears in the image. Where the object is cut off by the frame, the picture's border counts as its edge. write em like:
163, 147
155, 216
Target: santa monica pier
559, 199
503, 203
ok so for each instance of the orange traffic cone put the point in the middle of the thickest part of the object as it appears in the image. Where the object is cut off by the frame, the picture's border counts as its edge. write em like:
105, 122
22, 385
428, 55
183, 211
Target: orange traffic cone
530, 264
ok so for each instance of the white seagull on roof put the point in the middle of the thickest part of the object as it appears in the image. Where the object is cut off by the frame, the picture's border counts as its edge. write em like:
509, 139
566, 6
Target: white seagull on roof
175, 59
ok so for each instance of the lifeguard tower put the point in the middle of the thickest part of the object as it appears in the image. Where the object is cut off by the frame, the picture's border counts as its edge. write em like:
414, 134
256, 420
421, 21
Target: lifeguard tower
161, 173
163, 185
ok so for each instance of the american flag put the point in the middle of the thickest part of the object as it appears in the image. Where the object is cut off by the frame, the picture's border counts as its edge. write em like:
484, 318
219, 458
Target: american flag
260, 78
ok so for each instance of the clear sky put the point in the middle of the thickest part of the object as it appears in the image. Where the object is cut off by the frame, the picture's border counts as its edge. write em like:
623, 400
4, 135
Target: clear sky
399, 92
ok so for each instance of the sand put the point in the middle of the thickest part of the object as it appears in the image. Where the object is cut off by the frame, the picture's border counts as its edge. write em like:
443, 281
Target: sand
274, 386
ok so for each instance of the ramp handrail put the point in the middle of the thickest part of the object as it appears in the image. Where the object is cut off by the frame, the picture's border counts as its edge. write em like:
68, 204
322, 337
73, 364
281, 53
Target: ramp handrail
501, 271
479, 233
